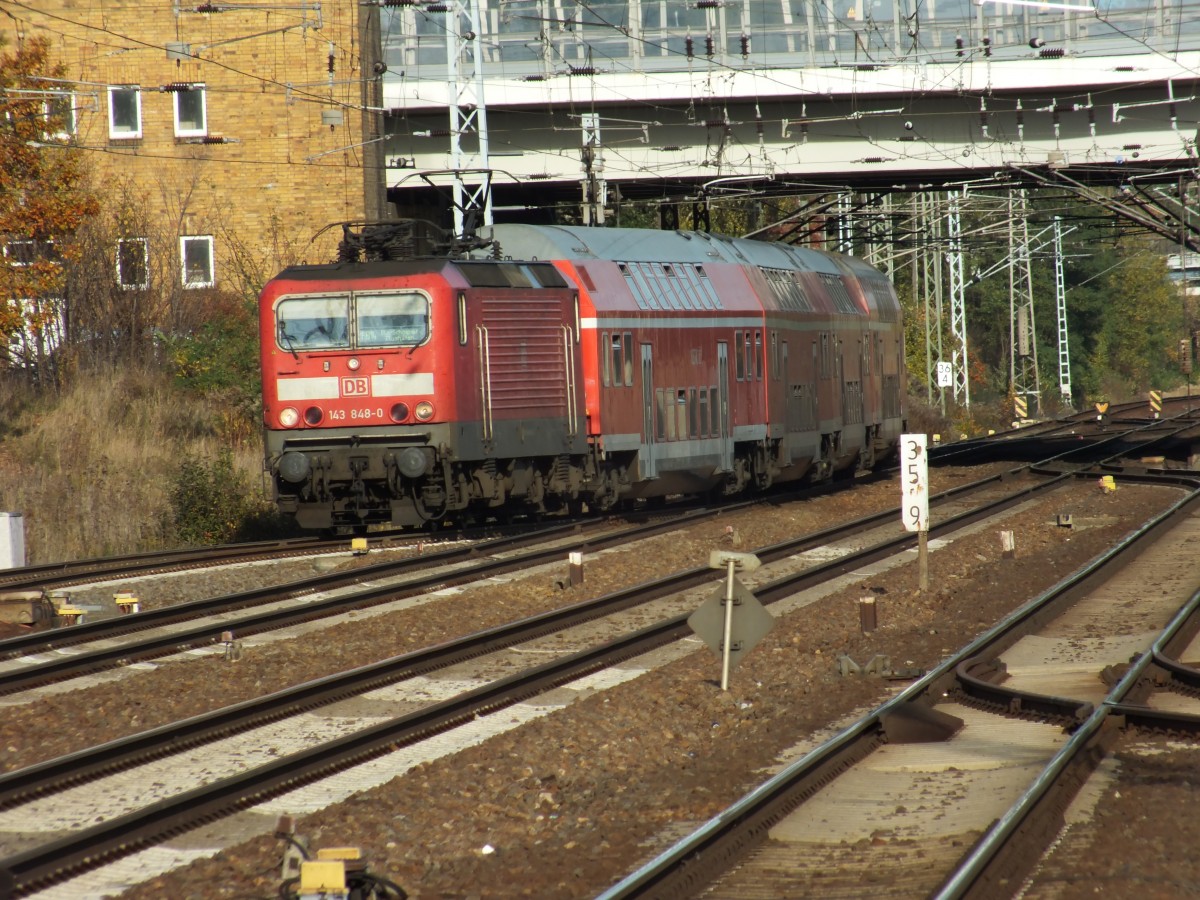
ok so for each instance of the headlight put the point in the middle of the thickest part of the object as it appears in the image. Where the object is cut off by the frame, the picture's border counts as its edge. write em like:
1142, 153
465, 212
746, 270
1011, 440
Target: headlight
399, 412
424, 410
352, 363
313, 415
289, 417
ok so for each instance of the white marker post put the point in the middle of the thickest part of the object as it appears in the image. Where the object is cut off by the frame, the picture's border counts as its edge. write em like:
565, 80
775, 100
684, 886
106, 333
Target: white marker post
914, 504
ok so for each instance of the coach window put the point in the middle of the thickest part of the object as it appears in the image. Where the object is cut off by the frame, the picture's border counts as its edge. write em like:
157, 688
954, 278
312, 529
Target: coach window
739, 354
703, 412
660, 403
758, 356
692, 413
313, 322
605, 360
618, 356
391, 319
681, 412
627, 342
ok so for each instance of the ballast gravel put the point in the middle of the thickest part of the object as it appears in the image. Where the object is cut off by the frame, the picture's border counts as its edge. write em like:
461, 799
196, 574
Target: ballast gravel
563, 806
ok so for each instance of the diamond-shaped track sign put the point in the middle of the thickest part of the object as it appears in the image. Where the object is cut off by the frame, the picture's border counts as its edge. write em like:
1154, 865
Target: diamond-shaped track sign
751, 621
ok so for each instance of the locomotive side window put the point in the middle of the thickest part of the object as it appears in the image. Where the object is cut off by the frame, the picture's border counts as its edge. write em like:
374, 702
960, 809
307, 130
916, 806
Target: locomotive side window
384, 320
618, 355
313, 322
605, 359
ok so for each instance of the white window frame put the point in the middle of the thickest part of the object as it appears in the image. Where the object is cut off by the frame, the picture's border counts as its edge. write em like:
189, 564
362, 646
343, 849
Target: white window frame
20, 259
183, 260
67, 98
113, 133
134, 285
180, 130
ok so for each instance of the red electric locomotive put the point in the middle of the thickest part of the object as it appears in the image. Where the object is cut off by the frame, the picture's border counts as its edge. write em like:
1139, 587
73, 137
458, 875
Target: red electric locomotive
567, 365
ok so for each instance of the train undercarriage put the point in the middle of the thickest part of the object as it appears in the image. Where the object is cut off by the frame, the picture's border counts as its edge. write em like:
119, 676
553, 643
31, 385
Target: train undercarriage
339, 487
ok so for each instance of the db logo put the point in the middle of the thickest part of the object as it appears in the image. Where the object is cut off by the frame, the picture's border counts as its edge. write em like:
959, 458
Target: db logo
355, 387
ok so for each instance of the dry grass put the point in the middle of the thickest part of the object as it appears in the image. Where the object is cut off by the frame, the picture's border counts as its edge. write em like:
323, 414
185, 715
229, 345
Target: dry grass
92, 471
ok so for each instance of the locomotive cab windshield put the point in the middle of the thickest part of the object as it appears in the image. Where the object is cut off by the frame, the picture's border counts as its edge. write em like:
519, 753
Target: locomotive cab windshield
346, 321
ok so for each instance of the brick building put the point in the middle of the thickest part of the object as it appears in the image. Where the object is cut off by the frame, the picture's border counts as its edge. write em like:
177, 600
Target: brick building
237, 128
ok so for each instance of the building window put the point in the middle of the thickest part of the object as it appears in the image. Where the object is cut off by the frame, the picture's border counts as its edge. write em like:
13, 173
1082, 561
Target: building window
125, 112
20, 253
191, 114
60, 116
133, 263
196, 253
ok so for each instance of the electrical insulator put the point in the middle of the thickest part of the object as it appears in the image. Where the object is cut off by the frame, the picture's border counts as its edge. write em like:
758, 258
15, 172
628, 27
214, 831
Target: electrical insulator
987, 46
745, 45
689, 46
958, 45
708, 45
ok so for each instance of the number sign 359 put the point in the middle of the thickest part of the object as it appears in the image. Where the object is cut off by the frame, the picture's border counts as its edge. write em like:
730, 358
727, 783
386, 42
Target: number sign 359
914, 480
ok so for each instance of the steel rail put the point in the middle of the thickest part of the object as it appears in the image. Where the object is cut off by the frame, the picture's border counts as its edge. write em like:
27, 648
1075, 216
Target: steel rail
22, 785
694, 861
52, 862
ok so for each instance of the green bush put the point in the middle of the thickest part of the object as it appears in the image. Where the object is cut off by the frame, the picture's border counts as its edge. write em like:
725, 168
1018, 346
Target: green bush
212, 502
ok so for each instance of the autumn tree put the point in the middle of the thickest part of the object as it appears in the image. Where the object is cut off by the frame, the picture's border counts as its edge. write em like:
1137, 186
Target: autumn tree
43, 200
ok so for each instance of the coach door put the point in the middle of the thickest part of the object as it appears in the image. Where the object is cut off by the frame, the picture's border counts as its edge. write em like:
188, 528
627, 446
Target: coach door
646, 450
722, 408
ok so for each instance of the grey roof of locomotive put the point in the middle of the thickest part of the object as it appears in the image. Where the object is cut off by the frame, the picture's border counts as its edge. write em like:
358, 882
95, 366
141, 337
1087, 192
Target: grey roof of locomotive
646, 245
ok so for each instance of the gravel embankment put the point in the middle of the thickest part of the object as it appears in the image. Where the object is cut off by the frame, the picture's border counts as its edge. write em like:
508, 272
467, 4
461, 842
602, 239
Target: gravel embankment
569, 802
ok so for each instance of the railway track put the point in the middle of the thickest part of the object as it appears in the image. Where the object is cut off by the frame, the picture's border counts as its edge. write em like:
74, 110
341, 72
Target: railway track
23, 785
450, 709
50, 576
986, 751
